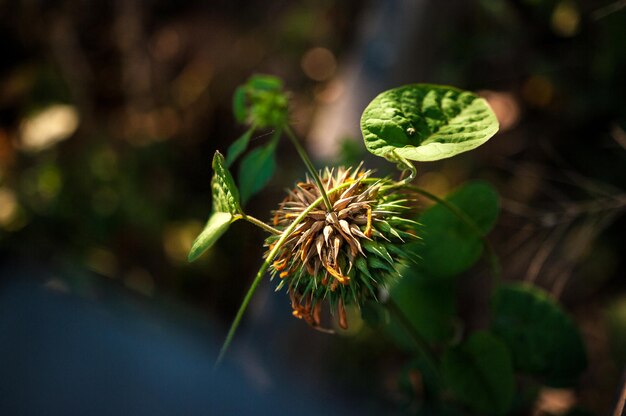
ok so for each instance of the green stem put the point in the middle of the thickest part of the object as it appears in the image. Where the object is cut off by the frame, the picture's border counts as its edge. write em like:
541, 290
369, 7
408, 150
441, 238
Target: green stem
420, 343
266, 263
257, 222
403, 164
491, 253
309, 166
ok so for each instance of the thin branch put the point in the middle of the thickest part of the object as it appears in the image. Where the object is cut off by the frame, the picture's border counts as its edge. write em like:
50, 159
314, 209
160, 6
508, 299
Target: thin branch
570, 211
605, 11
420, 343
592, 229
544, 252
310, 167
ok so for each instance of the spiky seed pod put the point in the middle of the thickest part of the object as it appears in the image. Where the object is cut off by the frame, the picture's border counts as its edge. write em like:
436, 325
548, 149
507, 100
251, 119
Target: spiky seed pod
344, 255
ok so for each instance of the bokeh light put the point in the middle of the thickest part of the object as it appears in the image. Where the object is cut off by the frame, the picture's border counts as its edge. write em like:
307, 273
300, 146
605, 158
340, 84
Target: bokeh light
565, 18
538, 91
8, 206
178, 238
48, 127
319, 64
505, 106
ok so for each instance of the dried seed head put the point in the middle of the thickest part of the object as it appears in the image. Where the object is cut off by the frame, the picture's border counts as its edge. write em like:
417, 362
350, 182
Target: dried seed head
346, 254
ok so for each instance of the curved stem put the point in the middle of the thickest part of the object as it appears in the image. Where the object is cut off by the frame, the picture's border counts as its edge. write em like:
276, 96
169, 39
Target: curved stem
309, 166
420, 343
266, 263
403, 164
257, 222
491, 253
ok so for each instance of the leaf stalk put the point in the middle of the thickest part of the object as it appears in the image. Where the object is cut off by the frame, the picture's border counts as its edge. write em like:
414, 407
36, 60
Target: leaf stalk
257, 222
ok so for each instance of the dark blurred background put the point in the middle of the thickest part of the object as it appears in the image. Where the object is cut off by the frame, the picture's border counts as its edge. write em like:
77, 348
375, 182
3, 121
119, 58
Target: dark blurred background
110, 113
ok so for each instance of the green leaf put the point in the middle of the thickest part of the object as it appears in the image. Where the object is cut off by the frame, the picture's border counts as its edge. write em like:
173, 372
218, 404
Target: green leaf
429, 304
374, 314
543, 339
425, 122
449, 246
376, 263
238, 147
265, 82
257, 168
378, 249
261, 102
480, 374
225, 206
215, 227
239, 104
225, 193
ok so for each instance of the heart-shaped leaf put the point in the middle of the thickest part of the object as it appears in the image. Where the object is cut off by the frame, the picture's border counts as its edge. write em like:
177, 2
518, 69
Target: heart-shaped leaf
448, 245
480, 374
426, 122
543, 339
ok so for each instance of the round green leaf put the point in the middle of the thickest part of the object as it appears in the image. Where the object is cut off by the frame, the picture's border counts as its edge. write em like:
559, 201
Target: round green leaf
448, 246
543, 339
480, 374
425, 122
215, 227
